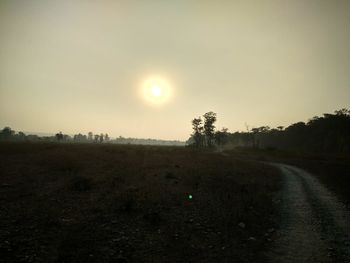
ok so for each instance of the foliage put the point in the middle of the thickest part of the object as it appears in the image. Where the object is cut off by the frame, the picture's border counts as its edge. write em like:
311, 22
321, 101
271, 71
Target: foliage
221, 137
7, 134
330, 133
203, 134
197, 131
209, 128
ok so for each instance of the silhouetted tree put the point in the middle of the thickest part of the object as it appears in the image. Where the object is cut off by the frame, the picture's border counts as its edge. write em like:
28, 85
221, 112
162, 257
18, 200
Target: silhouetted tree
197, 134
66, 137
79, 138
343, 112
209, 128
329, 133
106, 138
90, 136
221, 137
59, 136
7, 133
21, 136
101, 137
96, 137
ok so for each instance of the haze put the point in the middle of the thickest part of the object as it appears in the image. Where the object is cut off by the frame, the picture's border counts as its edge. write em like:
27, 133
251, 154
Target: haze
77, 66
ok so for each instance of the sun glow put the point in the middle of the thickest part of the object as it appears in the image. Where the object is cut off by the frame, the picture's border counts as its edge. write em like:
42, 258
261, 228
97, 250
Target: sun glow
156, 90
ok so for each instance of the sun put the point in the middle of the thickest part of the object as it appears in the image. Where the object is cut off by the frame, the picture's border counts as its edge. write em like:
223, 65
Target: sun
156, 90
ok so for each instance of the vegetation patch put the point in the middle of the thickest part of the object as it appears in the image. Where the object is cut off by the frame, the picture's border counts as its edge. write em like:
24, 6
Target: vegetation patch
90, 203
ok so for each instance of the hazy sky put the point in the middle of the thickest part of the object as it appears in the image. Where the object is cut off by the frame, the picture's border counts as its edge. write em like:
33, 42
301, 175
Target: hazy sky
78, 66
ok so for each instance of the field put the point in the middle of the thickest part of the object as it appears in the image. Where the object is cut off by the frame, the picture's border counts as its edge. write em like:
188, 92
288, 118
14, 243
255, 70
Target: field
114, 203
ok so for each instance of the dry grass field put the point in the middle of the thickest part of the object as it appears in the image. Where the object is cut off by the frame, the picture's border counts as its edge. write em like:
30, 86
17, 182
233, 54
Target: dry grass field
114, 203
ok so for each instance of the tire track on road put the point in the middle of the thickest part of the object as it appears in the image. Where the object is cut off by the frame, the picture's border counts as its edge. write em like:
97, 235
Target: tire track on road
315, 225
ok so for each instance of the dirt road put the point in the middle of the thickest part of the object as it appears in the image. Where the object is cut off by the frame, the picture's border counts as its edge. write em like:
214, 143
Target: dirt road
315, 225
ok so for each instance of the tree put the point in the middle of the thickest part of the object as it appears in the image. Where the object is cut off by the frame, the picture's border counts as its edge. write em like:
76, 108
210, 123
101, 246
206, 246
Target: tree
59, 136
344, 112
79, 138
209, 128
90, 136
96, 137
6, 133
258, 133
21, 136
106, 137
101, 138
328, 133
221, 137
66, 137
197, 132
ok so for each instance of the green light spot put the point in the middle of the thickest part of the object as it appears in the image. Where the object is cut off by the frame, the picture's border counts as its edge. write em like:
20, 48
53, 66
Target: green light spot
190, 197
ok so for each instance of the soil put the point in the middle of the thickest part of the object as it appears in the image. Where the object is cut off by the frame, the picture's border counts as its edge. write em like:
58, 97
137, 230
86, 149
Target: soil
124, 203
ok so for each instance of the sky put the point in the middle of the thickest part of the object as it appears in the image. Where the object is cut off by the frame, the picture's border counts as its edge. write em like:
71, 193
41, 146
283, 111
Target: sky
80, 66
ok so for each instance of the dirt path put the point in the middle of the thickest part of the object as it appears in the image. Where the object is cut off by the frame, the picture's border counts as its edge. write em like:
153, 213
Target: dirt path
315, 226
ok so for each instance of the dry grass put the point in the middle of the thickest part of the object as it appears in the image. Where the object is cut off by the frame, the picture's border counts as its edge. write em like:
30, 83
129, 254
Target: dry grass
93, 203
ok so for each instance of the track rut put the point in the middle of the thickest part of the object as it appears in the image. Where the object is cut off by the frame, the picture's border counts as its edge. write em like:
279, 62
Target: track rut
315, 225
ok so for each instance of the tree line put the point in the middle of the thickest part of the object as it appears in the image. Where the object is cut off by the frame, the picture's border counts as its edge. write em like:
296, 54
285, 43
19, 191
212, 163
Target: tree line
97, 138
328, 133
8, 134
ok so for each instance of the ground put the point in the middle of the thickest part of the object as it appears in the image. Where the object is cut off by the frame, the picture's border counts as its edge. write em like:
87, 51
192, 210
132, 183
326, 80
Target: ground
314, 223
124, 203
114, 203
